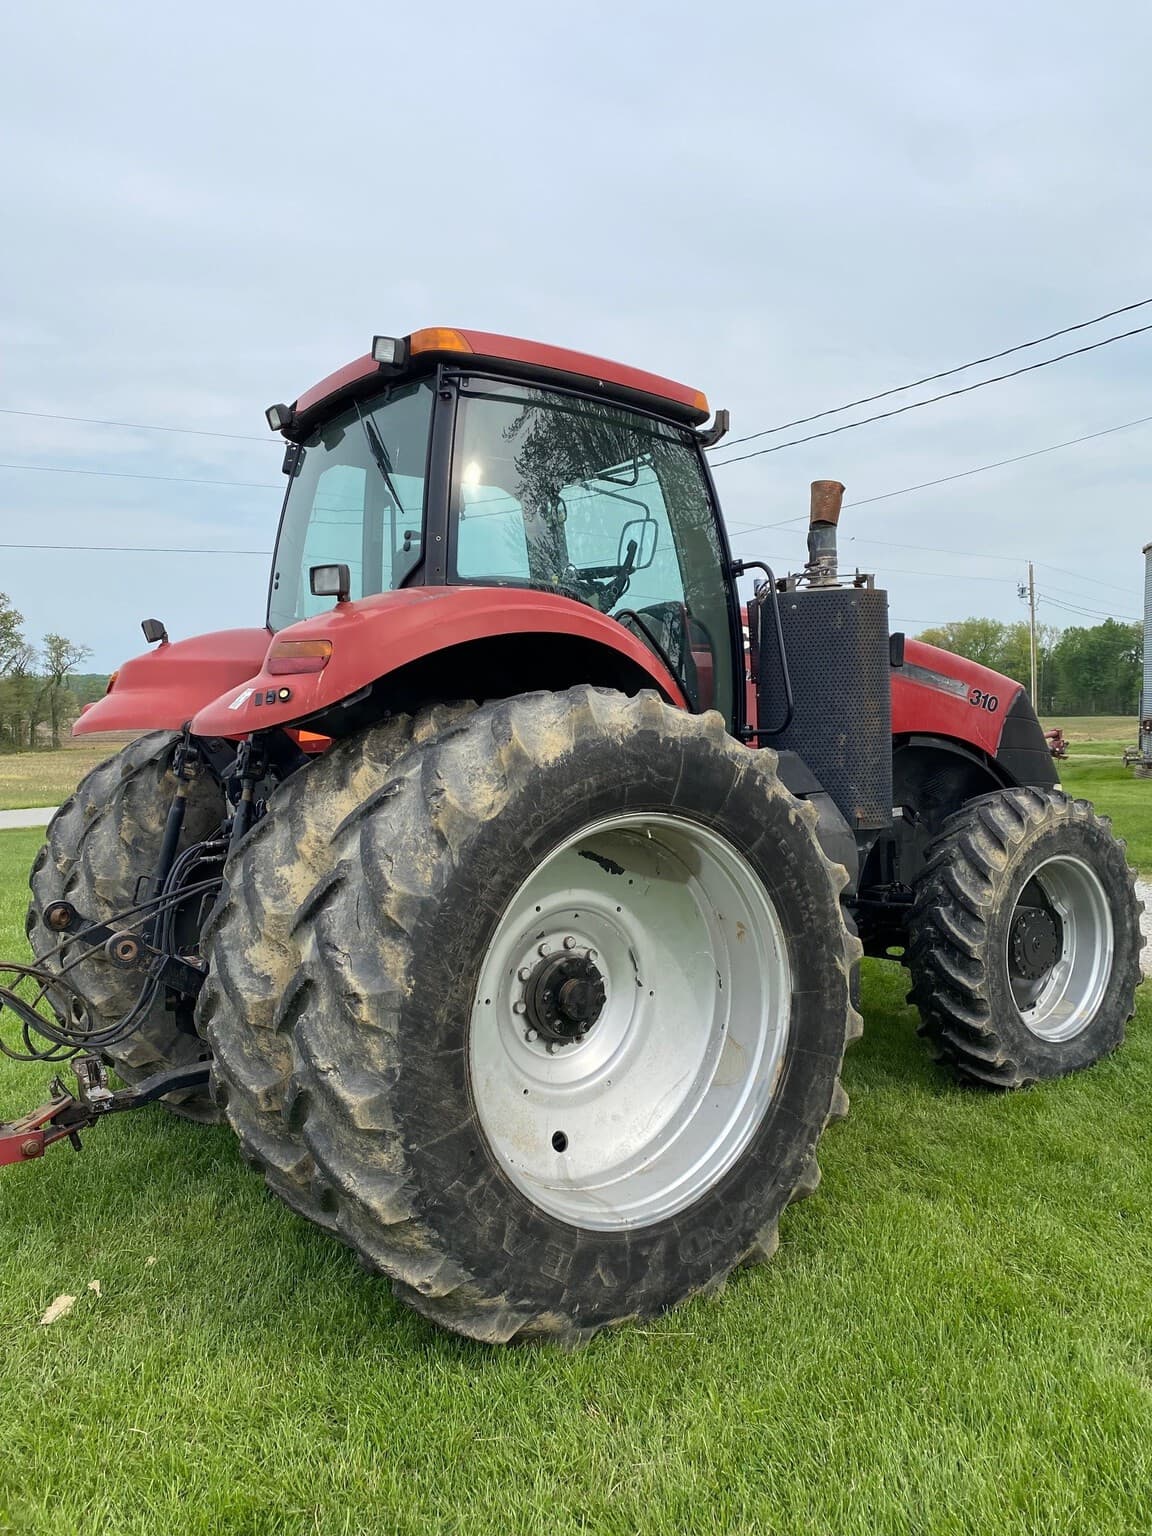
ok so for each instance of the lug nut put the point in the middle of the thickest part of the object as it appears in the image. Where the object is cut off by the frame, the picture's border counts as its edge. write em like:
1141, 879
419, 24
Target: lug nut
530, 1036
523, 973
569, 942
520, 1007
543, 950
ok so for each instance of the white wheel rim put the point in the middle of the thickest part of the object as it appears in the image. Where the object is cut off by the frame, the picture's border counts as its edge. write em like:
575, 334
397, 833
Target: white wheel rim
640, 1117
1069, 996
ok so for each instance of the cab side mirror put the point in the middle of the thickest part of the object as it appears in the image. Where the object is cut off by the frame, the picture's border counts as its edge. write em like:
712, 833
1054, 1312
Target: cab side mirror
330, 581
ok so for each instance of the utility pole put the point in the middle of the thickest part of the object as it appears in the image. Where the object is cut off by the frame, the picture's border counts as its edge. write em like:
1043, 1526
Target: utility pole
1029, 592
1032, 630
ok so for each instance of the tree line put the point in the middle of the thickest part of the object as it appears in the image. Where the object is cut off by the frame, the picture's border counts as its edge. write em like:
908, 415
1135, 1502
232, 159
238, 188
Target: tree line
1093, 671
40, 695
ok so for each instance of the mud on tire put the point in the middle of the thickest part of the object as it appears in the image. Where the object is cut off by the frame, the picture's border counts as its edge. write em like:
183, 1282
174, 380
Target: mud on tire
977, 872
101, 840
255, 940
361, 912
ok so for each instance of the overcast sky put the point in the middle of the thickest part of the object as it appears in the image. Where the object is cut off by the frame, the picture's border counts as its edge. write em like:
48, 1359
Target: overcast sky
208, 208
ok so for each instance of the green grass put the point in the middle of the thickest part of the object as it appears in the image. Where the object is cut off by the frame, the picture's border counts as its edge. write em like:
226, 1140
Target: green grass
956, 1337
46, 778
1113, 790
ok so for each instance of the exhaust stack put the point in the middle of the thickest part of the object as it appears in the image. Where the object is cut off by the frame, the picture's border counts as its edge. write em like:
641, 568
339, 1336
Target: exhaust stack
822, 569
823, 672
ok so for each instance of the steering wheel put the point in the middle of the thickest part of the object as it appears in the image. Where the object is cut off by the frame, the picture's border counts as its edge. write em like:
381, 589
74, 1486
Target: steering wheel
606, 584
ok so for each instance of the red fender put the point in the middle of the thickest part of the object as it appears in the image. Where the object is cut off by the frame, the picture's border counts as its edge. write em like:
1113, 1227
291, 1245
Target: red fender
377, 635
219, 681
936, 693
164, 688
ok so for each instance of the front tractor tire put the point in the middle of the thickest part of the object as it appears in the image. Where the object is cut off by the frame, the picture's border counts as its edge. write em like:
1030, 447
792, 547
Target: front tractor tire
545, 1016
1025, 939
99, 844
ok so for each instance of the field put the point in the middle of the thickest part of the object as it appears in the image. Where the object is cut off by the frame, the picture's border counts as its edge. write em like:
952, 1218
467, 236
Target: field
1086, 729
46, 778
955, 1338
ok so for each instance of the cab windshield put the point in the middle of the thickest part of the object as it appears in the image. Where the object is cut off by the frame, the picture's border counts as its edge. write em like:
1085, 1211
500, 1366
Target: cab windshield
356, 499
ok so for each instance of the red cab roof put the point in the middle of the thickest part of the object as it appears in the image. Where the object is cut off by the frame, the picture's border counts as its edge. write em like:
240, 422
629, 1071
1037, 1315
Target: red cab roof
436, 341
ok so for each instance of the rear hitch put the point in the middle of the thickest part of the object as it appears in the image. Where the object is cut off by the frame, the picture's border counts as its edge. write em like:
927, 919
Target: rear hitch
68, 1112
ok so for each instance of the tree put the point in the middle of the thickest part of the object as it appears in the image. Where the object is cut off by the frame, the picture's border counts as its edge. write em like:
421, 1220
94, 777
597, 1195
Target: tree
59, 657
1098, 670
981, 640
12, 643
1079, 671
34, 685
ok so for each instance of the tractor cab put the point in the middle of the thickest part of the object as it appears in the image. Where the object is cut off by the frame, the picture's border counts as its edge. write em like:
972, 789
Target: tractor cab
476, 461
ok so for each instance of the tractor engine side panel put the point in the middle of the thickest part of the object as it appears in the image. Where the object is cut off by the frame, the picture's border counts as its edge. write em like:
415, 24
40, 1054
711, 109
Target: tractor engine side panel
936, 693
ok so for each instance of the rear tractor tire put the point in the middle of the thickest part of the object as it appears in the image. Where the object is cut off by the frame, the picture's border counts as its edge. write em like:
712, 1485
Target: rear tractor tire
546, 1010
98, 845
1025, 939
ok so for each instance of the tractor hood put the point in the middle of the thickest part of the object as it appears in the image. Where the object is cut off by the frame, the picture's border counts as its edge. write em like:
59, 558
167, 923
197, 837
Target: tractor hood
332, 658
164, 688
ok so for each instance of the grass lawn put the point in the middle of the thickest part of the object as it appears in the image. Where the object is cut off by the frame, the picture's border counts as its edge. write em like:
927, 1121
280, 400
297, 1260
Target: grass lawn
956, 1336
46, 778
1113, 790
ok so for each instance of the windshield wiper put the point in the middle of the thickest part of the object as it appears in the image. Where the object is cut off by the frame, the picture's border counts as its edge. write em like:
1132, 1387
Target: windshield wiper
379, 454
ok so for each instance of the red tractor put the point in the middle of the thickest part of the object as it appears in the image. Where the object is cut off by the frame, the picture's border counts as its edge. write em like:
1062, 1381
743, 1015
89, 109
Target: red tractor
504, 897
1057, 742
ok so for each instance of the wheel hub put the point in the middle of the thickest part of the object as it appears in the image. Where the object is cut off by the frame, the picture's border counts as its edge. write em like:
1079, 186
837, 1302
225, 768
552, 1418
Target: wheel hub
1035, 943
564, 996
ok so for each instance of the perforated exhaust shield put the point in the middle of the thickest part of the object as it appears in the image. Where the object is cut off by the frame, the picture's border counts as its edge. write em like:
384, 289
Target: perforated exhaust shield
836, 639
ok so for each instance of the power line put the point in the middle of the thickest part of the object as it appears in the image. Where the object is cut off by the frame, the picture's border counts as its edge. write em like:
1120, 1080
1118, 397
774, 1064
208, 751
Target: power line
905, 570
896, 624
971, 554
961, 474
120, 474
139, 549
999, 463
935, 549
1079, 596
1091, 613
140, 426
949, 394
1079, 576
930, 378
965, 554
